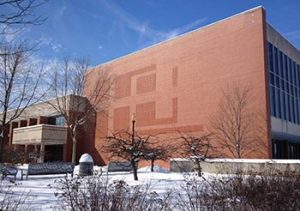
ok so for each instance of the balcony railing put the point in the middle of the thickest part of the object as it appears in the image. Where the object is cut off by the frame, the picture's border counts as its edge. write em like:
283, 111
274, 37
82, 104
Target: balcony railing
40, 134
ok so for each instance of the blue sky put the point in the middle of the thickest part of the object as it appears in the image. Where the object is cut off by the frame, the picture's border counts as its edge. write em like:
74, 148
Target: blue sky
102, 30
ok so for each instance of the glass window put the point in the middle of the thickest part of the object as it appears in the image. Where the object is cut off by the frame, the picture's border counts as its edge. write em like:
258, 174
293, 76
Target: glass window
272, 79
296, 110
281, 72
276, 60
294, 71
293, 109
284, 105
284, 79
289, 107
278, 102
270, 46
296, 77
272, 96
60, 121
298, 70
290, 70
277, 82
287, 86
286, 68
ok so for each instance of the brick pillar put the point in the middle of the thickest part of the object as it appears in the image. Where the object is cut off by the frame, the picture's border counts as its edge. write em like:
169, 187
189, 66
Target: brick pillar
42, 153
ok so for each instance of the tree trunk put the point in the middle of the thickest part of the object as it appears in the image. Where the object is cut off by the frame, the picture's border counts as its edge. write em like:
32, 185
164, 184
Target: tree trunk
1, 148
152, 165
74, 150
199, 168
74, 146
239, 150
134, 167
2, 140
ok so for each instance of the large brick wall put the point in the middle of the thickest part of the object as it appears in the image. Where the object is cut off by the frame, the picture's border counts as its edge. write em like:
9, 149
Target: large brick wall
177, 84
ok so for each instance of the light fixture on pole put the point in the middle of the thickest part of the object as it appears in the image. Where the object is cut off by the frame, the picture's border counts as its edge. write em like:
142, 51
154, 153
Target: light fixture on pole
133, 124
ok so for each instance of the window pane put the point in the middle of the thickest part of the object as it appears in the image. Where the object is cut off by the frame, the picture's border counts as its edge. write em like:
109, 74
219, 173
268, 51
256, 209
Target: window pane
270, 46
295, 70
296, 110
290, 70
296, 77
286, 67
293, 109
281, 72
276, 60
272, 96
277, 81
293, 73
60, 121
289, 108
284, 105
272, 79
278, 102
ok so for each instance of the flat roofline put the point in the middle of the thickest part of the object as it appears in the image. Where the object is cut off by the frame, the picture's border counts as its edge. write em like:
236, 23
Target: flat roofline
283, 37
40, 103
40, 125
173, 38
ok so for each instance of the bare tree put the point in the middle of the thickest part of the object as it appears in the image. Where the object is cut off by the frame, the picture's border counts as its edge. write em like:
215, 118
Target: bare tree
78, 97
154, 152
196, 148
19, 85
127, 146
19, 12
235, 125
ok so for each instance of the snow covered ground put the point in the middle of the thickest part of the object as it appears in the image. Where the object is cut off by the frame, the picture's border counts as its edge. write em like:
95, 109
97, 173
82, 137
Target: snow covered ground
40, 195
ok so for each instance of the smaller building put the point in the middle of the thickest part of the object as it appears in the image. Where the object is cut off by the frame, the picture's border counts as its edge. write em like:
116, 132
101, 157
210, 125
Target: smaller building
42, 130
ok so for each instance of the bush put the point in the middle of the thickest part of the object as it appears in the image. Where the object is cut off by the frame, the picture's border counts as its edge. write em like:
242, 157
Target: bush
98, 193
11, 201
269, 191
12, 156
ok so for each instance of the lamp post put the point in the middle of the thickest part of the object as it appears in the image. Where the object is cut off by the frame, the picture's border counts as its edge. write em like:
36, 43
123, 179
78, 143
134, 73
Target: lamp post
133, 150
133, 124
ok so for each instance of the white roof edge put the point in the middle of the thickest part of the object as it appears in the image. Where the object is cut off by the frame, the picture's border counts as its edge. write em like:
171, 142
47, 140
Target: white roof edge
40, 125
283, 36
181, 35
42, 102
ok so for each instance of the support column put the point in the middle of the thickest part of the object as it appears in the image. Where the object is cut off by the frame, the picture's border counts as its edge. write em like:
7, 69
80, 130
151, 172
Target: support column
42, 153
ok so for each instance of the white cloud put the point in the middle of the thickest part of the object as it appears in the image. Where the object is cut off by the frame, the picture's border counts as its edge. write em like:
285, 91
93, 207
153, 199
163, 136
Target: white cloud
60, 12
293, 34
56, 47
100, 47
142, 28
186, 28
10, 33
48, 41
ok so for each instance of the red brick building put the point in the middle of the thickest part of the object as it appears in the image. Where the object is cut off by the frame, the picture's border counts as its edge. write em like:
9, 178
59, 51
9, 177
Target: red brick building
177, 84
